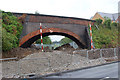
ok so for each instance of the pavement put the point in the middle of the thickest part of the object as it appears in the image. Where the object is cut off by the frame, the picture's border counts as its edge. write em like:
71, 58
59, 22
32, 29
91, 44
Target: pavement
104, 71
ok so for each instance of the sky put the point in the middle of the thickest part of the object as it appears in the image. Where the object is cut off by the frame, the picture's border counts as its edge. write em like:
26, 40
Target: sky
71, 8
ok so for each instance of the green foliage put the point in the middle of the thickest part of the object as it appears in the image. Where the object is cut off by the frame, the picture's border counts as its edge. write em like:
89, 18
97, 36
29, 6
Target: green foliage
46, 40
114, 24
9, 41
98, 21
11, 31
107, 36
11, 24
107, 22
65, 40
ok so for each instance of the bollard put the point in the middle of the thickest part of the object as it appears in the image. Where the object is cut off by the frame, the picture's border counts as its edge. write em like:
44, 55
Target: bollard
41, 36
91, 37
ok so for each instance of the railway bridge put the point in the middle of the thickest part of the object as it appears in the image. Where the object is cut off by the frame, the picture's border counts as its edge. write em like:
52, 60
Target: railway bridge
71, 27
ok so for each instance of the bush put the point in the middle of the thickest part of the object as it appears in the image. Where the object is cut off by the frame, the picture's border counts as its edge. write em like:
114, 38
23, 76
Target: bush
11, 24
105, 37
98, 21
9, 40
11, 30
46, 40
65, 40
107, 23
114, 24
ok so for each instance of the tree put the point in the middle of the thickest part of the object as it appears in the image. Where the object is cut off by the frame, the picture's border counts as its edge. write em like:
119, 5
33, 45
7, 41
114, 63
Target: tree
11, 30
65, 40
9, 40
11, 24
107, 22
36, 12
114, 24
98, 21
105, 37
46, 40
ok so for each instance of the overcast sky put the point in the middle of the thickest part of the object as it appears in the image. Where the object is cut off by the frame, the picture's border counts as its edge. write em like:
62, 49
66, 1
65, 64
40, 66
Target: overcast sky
73, 8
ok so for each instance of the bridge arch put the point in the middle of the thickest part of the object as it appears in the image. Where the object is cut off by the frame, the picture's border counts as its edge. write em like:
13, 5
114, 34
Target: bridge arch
30, 38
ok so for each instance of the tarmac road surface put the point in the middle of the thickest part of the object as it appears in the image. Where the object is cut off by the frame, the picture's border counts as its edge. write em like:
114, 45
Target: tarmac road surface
104, 71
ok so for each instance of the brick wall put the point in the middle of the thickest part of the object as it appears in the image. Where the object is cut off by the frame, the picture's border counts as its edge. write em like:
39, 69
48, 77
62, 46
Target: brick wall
48, 19
74, 25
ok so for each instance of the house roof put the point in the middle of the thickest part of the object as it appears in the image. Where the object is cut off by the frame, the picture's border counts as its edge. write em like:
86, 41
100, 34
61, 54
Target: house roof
113, 17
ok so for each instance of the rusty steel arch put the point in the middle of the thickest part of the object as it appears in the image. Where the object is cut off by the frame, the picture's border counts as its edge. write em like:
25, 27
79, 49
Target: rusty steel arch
27, 40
